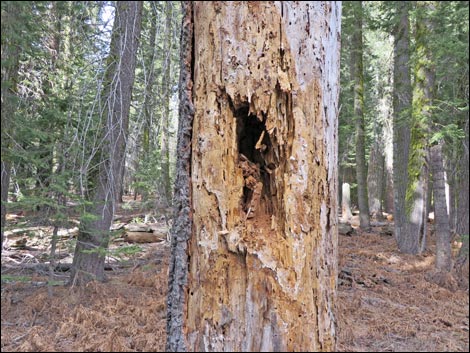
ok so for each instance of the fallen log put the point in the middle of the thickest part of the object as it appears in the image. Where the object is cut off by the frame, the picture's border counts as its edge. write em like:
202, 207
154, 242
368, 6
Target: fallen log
144, 237
137, 227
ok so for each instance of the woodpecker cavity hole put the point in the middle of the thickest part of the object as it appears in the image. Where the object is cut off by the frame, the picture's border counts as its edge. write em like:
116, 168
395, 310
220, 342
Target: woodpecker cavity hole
254, 148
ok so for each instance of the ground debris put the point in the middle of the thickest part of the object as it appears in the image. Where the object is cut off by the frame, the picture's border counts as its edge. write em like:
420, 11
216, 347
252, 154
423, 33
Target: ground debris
386, 301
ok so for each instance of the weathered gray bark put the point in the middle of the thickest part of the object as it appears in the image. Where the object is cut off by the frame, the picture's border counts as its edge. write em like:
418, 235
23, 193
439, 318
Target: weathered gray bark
262, 254
463, 176
92, 242
441, 218
358, 76
182, 199
346, 213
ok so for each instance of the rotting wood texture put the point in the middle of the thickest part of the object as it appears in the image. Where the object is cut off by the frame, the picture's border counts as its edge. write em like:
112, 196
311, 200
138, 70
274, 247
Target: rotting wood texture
262, 254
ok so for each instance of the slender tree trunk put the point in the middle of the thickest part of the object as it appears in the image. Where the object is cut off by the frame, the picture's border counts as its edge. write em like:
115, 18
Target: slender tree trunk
443, 253
463, 187
462, 262
261, 260
165, 146
5, 179
358, 75
92, 242
182, 227
375, 180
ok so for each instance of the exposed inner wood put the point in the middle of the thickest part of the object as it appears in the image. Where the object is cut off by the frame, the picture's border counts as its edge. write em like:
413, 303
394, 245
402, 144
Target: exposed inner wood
262, 270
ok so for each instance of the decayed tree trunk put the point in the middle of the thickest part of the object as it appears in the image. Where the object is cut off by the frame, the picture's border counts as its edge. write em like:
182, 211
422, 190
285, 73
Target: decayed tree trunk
92, 242
443, 253
262, 220
358, 76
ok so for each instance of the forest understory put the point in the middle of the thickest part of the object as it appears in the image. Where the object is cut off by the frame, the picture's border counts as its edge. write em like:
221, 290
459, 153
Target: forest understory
386, 300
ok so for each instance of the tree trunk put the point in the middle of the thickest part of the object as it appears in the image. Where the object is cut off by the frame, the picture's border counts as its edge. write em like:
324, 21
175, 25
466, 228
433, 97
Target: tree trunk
5, 179
375, 180
401, 128
92, 242
346, 213
165, 89
441, 218
182, 227
261, 258
463, 187
358, 76
462, 262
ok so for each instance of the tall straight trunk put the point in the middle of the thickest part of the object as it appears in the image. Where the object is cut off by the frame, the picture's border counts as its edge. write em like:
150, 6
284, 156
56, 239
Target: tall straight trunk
358, 76
182, 227
92, 242
401, 127
261, 260
463, 186
11, 13
462, 262
149, 99
375, 180
443, 253
165, 89
423, 95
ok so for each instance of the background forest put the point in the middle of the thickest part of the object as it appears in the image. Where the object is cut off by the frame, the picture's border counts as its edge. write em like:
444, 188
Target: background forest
89, 123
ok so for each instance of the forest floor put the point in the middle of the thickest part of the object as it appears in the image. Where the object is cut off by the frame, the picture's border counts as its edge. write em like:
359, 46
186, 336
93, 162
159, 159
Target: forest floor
385, 301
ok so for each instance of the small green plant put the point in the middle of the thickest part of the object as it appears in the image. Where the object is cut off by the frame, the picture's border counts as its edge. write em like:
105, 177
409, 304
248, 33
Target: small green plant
137, 220
125, 252
464, 238
146, 268
127, 206
13, 278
